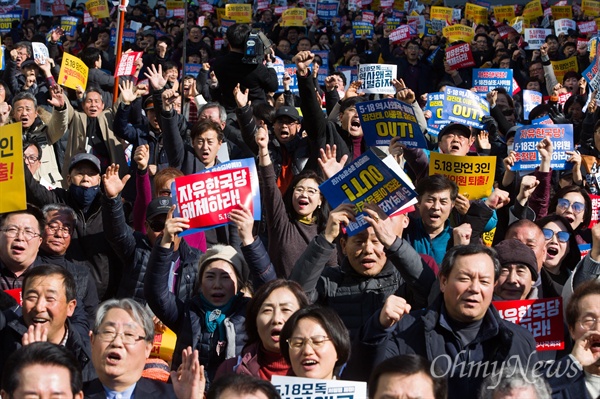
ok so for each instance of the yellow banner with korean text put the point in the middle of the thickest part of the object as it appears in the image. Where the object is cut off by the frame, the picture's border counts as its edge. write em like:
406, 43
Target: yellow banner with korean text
532, 10
562, 12
73, 72
590, 8
294, 17
476, 13
504, 13
459, 32
12, 172
474, 175
563, 66
241, 13
98, 8
441, 13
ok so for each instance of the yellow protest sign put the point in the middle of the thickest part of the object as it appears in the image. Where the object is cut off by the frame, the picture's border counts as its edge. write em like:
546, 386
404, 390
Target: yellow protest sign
562, 12
175, 5
476, 13
532, 10
164, 345
73, 72
518, 24
98, 8
441, 13
459, 32
294, 17
220, 14
564, 66
12, 173
474, 175
504, 13
590, 8
240, 13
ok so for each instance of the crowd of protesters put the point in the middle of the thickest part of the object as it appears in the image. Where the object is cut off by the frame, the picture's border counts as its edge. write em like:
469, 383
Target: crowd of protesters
100, 266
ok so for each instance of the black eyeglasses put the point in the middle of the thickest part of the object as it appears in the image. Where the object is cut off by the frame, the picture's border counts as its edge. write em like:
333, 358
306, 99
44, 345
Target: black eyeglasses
157, 226
563, 236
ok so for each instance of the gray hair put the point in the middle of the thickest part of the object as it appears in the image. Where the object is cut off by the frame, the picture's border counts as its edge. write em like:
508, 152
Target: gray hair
222, 111
137, 312
24, 95
60, 208
514, 378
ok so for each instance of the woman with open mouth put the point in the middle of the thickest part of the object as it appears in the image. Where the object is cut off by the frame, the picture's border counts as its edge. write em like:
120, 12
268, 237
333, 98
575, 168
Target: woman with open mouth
562, 252
266, 314
574, 204
315, 342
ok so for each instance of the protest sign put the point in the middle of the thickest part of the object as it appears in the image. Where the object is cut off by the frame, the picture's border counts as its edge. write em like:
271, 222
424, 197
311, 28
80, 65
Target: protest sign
531, 99
163, 345
517, 24
324, 69
419, 22
12, 172
392, 23
368, 16
240, 13
297, 388
590, 8
290, 69
536, 37
402, 34
591, 75
279, 68
128, 36
562, 26
486, 80
441, 13
533, 10
51, 8
382, 120
354, 5
474, 176
192, 70
476, 14
464, 106
279, 10
526, 140
127, 65
587, 27
562, 12
435, 104
40, 52
595, 202
504, 13
459, 32
438, 24
360, 28
136, 26
377, 78
73, 72
459, 56
207, 197
327, 10
542, 317
6, 21
563, 66
351, 74
69, 25
456, 14
505, 30
294, 17
369, 179
98, 8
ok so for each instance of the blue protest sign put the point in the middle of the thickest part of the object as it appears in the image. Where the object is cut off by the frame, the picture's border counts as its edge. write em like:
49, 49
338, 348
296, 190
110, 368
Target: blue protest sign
323, 69
327, 10
69, 25
128, 36
527, 138
290, 69
192, 69
435, 104
486, 80
531, 99
368, 179
385, 119
6, 21
464, 106
360, 28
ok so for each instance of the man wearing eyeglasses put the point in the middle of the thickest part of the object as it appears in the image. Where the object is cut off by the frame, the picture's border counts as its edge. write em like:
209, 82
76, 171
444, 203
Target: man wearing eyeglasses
580, 376
134, 247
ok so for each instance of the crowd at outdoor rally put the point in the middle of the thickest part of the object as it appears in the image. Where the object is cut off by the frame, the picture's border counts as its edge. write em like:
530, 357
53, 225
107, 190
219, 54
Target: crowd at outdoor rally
96, 264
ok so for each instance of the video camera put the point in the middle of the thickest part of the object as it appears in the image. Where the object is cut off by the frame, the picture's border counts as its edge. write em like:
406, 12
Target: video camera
256, 46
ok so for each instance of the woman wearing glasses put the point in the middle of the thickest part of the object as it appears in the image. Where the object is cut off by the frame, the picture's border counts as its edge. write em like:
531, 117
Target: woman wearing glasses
575, 205
562, 253
295, 218
315, 342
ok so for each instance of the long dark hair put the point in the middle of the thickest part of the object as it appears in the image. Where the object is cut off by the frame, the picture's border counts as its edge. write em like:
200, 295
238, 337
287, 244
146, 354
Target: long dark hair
321, 213
587, 213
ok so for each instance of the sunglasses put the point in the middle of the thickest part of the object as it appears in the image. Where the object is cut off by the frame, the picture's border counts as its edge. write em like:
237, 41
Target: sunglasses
508, 112
563, 205
156, 226
563, 236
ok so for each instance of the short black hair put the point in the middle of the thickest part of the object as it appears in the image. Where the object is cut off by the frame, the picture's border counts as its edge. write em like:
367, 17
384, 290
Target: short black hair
90, 55
205, 125
237, 34
50, 270
436, 184
591, 287
241, 384
409, 365
466, 250
31, 210
43, 353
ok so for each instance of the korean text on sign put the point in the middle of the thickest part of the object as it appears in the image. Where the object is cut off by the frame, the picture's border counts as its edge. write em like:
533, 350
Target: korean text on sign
377, 78
127, 65
527, 138
474, 175
542, 317
12, 174
303, 388
464, 106
385, 119
369, 179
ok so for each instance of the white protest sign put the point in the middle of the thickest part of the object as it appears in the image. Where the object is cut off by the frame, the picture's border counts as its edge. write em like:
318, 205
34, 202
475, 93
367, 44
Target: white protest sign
536, 37
40, 52
563, 25
377, 78
297, 388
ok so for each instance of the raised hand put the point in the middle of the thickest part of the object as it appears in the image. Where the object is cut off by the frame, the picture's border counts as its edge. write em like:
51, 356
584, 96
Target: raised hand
244, 221
127, 94
57, 99
155, 77
343, 214
462, 234
173, 226
35, 333
141, 156
189, 381
302, 60
241, 97
328, 161
113, 184
394, 308
382, 224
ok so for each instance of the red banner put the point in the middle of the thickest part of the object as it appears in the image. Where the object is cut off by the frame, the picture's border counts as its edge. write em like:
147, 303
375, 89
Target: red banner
401, 34
460, 56
542, 317
207, 198
16, 293
127, 65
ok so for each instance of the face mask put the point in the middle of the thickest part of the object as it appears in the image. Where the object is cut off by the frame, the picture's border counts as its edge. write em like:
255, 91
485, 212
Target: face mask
84, 196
